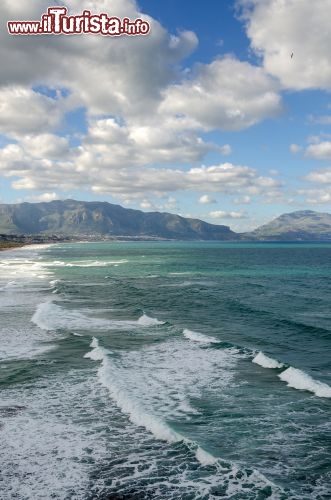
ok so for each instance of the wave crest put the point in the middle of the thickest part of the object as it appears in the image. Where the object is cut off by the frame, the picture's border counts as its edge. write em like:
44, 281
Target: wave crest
266, 362
298, 379
199, 337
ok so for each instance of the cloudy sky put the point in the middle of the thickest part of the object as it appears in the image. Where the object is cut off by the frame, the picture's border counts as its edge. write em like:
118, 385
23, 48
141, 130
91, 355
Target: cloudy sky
222, 112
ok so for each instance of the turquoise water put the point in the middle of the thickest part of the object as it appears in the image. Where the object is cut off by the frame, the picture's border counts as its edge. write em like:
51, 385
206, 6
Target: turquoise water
165, 370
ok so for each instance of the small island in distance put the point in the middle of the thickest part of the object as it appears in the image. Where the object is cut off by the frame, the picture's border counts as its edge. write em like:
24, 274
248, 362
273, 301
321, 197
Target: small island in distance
72, 220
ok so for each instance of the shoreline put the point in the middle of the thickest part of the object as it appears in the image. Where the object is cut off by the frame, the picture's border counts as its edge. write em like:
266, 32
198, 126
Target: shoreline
10, 245
6, 246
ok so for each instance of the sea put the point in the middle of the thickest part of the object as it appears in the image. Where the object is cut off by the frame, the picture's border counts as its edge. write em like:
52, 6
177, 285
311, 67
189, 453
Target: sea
165, 370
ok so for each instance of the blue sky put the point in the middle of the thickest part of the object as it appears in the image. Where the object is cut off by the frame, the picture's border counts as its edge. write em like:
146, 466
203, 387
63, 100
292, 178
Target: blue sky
208, 115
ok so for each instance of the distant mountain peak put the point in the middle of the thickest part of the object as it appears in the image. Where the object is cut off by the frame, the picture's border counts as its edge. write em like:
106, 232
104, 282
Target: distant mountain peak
300, 225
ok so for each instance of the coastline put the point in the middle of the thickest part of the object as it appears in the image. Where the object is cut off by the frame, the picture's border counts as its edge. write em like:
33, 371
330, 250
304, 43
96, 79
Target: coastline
6, 246
10, 245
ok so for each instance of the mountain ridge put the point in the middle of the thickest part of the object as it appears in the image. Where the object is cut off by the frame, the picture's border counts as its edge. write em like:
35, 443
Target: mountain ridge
102, 220
300, 225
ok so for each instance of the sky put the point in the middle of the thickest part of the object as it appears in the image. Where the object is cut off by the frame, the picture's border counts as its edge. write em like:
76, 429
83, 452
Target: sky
221, 112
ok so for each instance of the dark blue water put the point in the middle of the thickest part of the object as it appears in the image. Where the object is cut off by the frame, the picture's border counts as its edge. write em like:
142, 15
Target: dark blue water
166, 370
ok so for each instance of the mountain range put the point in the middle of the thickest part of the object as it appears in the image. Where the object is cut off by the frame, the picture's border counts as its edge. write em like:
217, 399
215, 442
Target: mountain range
102, 220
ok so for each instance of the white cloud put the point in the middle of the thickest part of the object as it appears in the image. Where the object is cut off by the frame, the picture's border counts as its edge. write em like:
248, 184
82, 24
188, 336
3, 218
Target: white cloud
322, 176
295, 148
226, 150
110, 144
94, 169
321, 151
243, 200
320, 190
45, 146
206, 200
316, 196
23, 111
142, 128
146, 204
226, 94
225, 178
278, 28
221, 214
118, 76
44, 197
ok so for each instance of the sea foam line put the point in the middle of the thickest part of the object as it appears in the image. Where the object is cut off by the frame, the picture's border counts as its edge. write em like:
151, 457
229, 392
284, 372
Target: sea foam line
132, 408
107, 377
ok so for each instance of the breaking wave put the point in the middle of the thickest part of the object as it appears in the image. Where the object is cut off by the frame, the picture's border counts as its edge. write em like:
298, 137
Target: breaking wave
50, 316
138, 401
266, 362
300, 380
199, 337
295, 378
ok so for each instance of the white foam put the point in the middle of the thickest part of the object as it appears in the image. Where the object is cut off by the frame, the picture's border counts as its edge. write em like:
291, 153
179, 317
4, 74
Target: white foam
204, 457
151, 387
266, 362
98, 353
298, 379
12, 347
159, 383
88, 263
21, 268
49, 448
145, 320
133, 409
36, 246
50, 316
94, 343
199, 337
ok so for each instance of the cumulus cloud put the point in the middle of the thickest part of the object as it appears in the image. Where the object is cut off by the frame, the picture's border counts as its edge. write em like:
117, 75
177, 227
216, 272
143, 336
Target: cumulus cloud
205, 199
319, 190
221, 214
45, 146
142, 128
108, 76
322, 176
23, 111
243, 200
44, 197
320, 151
316, 196
278, 28
224, 178
226, 94
92, 167
109, 143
